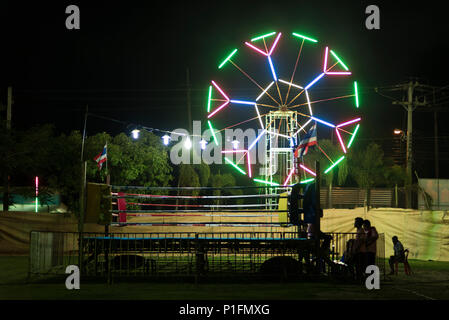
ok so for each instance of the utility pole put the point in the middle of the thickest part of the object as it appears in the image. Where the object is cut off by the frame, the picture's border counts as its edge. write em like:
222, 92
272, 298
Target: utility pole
84, 132
8, 132
8, 109
189, 105
435, 135
83, 166
409, 151
409, 105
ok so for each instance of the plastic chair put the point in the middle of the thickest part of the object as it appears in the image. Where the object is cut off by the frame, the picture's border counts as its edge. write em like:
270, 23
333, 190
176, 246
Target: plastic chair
407, 269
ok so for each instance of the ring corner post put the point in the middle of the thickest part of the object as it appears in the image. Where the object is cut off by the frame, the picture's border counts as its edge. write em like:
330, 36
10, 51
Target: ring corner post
317, 229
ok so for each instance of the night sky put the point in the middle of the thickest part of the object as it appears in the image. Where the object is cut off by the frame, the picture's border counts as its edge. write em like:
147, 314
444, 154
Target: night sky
129, 59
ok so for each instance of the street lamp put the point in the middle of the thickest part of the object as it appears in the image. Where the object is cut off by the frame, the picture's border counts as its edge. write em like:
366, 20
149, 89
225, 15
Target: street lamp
203, 144
398, 132
135, 134
188, 143
166, 140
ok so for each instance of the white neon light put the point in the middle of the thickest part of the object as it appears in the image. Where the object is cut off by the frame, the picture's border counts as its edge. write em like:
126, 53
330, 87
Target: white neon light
257, 139
308, 103
302, 128
292, 84
263, 92
260, 118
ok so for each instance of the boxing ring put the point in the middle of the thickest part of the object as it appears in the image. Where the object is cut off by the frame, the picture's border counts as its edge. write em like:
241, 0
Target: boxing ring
200, 208
159, 232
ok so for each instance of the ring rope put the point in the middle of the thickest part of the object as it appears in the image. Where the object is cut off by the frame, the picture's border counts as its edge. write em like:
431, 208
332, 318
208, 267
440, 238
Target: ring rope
197, 215
202, 205
136, 195
200, 224
197, 188
192, 211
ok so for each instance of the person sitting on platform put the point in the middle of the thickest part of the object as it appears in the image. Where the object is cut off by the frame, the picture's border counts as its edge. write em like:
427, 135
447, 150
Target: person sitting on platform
370, 243
348, 256
325, 252
398, 254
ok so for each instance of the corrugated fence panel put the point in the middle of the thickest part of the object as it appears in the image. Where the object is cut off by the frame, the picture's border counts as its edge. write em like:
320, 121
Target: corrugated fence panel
382, 198
355, 197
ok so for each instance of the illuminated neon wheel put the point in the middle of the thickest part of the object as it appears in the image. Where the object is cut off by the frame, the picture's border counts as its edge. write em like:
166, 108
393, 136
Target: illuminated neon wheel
298, 94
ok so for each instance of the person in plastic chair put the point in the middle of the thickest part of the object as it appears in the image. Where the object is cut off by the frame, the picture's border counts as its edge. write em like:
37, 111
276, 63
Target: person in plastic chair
398, 253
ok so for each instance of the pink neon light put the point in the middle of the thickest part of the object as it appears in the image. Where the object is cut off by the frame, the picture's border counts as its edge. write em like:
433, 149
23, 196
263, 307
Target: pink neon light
274, 44
257, 49
339, 73
249, 165
247, 157
349, 122
325, 59
218, 109
308, 170
341, 141
221, 91
289, 176
37, 185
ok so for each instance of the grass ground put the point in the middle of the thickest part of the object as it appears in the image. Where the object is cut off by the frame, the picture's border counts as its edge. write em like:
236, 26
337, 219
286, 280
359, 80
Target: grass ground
429, 281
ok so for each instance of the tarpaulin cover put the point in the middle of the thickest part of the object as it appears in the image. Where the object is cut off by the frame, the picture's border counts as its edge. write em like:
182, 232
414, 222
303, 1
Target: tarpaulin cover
424, 233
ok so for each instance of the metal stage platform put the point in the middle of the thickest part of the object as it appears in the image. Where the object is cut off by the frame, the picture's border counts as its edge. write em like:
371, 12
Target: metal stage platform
184, 254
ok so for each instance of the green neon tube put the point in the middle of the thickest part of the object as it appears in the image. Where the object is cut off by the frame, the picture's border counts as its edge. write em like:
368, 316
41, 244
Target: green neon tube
332, 166
264, 36
353, 136
356, 94
267, 182
339, 60
208, 99
226, 60
213, 133
307, 181
304, 37
235, 166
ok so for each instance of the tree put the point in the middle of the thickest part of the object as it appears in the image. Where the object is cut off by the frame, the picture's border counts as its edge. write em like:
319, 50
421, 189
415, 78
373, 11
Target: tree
203, 172
394, 175
222, 181
142, 162
25, 155
63, 171
187, 178
315, 154
367, 167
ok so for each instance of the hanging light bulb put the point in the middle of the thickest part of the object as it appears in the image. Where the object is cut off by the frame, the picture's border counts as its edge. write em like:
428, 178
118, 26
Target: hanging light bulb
166, 140
203, 144
135, 133
235, 144
188, 143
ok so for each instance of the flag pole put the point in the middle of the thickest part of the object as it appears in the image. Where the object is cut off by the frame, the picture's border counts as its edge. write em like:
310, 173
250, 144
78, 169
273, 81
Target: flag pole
108, 176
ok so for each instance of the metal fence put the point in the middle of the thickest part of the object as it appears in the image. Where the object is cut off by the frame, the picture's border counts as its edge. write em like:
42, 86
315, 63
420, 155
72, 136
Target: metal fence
180, 254
339, 197
339, 247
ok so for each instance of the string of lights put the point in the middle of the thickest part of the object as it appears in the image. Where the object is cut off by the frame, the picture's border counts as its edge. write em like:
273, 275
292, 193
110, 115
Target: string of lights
165, 138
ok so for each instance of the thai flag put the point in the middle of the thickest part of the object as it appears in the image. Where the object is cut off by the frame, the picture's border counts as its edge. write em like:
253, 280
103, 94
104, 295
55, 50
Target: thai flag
102, 157
306, 142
